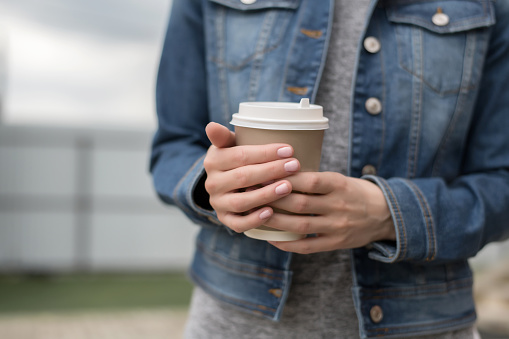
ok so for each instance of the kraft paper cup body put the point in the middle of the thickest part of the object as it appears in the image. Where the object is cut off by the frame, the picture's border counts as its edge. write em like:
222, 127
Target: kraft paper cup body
299, 124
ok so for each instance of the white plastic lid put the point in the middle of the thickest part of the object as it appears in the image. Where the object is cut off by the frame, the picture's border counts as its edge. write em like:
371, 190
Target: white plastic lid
280, 116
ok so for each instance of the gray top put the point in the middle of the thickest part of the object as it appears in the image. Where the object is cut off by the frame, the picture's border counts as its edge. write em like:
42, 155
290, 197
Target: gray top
320, 303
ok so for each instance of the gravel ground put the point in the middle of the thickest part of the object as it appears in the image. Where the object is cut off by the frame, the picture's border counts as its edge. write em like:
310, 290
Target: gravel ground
143, 324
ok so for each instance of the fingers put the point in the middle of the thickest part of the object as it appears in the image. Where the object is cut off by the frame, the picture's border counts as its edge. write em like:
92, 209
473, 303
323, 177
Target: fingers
250, 175
219, 135
240, 202
224, 159
242, 223
300, 224
318, 182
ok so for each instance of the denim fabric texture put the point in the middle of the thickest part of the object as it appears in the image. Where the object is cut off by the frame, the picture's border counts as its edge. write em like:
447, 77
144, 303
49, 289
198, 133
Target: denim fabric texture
440, 144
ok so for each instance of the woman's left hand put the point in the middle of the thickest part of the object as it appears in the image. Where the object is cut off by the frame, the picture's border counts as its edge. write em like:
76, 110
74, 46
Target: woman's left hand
342, 212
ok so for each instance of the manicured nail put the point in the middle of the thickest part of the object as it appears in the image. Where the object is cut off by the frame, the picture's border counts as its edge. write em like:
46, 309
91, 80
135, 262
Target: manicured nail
285, 152
266, 214
282, 189
292, 166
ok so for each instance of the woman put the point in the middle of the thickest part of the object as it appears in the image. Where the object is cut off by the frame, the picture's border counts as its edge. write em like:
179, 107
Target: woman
414, 176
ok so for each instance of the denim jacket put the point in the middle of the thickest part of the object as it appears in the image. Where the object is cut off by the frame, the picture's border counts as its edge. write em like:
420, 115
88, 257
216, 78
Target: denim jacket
438, 146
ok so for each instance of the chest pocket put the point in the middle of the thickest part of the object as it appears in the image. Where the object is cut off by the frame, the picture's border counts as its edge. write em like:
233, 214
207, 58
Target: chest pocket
443, 43
244, 31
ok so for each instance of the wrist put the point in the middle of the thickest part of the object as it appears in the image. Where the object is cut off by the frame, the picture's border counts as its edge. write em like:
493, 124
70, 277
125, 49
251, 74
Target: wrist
380, 213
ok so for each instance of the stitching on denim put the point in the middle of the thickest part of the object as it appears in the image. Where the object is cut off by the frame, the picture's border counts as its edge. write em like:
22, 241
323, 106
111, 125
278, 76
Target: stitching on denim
442, 93
290, 50
401, 221
220, 29
434, 323
430, 224
462, 98
252, 306
241, 267
221, 61
415, 122
179, 184
448, 286
267, 25
428, 294
384, 97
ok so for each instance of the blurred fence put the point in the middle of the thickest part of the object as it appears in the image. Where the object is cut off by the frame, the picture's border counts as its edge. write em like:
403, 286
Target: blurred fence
82, 200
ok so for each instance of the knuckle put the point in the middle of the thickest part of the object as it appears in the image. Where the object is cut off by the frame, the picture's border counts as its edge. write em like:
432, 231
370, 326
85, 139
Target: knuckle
301, 203
210, 186
207, 163
304, 226
237, 204
241, 177
241, 156
314, 182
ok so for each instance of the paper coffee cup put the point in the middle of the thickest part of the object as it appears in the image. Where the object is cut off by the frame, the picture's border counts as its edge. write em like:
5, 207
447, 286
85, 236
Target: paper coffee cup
299, 124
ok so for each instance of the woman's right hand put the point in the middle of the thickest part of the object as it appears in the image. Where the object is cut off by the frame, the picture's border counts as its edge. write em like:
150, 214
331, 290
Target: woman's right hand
242, 179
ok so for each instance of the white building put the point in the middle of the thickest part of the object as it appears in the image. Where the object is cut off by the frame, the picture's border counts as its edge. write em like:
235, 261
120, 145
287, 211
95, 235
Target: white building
82, 199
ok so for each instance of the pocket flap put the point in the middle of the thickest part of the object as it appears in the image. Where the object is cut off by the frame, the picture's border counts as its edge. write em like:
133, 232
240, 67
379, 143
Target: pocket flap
258, 4
459, 15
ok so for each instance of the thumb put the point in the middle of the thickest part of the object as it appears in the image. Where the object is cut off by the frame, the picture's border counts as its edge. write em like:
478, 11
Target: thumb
219, 135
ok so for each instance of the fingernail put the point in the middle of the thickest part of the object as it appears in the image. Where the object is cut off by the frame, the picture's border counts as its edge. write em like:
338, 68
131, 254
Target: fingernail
292, 166
282, 189
265, 214
285, 152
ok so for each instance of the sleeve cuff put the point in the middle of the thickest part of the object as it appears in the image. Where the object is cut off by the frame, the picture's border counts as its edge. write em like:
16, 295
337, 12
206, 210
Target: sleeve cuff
183, 195
415, 230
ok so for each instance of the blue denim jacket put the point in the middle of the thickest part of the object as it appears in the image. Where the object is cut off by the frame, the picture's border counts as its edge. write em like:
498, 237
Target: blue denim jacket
440, 144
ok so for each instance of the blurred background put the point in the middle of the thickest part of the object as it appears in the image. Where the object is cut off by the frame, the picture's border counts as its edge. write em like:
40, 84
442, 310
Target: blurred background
86, 248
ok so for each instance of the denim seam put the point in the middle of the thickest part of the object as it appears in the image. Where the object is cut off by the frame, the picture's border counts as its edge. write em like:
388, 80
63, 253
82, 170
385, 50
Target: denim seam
252, 306
446, 287
267, 25
417, 50
258, 53
324, 51
469, 49
384, 107
435, 323
401, 222
290, 49
221, 71
179, 184
241, 268
421, 76
430, 225
293, 4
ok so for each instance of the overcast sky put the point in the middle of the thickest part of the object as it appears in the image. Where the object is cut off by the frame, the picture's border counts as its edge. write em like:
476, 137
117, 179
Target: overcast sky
80, 62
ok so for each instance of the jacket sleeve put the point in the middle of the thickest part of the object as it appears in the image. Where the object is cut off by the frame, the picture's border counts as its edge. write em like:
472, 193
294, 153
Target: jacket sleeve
445, 221
180, 143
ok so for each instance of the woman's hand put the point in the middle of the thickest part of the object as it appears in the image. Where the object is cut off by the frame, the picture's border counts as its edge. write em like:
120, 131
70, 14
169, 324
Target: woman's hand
343, 212
233, 172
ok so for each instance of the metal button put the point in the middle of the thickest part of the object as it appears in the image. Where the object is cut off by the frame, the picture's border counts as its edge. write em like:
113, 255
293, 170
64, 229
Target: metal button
371, 44
248, 2
369, 170
440, 18
376, 314
373, 106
